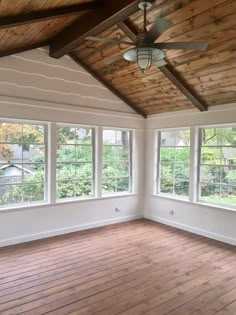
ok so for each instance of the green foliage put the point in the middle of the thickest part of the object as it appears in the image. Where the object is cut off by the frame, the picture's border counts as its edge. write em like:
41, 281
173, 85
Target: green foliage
175, 170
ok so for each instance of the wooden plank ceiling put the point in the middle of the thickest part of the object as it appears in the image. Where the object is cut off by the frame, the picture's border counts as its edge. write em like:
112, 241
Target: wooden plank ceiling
207, 78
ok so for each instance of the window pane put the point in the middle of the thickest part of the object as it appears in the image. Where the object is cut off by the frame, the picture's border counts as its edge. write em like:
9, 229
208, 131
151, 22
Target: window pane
211, 155
109, 185
84, 153
83, 136
228, 195
181, 188
109, 153
228, 176
83, 188
116, 137
109, 169
75, 162
166, 185
167, 154
219, 176
22, 163
33, 173
122, 169
122, 153
210, 192
123, 184
210, 174
65, 171
116, 167
10, 132
211, 137
65, 135
10, 153
33, 192
66, 153
33, 134
84, 170
174, 162
182, 154
229, 156
65, 189
33, 153
181, 171
167, 169
229, 136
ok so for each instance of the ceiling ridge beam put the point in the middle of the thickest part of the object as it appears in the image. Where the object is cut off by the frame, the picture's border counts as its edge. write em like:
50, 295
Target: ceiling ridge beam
170, 73
45, 15
108, 86
91, 24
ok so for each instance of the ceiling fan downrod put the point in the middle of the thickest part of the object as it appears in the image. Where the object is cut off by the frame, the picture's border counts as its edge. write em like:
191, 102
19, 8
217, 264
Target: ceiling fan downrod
145, 5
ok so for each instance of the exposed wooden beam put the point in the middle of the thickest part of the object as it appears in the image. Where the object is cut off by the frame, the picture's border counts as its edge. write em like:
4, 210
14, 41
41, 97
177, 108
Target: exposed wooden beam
108, 86
182, 86
91, 24
44, 15
22, 49
168, 71
128, 28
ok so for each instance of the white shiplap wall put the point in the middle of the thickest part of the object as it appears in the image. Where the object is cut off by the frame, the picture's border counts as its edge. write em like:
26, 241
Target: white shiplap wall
33, 75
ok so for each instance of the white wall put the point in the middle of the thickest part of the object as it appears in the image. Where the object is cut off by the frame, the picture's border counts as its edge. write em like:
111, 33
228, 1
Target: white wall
209, 221
33, 75
24, 84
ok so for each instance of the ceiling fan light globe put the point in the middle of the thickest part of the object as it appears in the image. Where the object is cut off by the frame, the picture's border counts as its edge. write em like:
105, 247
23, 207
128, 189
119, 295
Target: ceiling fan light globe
144, 57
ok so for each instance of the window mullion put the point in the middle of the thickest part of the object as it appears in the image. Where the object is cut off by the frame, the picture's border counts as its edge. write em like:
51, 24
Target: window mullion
194, 164
98, 161
52, 162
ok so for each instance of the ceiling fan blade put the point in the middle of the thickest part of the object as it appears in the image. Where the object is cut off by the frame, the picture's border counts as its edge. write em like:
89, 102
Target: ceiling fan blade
160, 63
183, 45
112, 60
108, 40
158, 27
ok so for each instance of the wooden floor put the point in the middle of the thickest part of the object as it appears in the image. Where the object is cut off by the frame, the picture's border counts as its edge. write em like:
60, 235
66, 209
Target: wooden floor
129, 268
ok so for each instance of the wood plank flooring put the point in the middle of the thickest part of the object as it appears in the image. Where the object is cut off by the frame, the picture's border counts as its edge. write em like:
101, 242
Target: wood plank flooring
132, 268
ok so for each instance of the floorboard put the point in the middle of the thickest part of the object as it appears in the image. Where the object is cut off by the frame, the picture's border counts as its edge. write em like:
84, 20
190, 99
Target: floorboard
138, 267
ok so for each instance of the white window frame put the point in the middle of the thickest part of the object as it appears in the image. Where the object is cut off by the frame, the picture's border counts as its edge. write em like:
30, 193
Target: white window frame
46, 163
195, 163
198, 189
131, 163
157, 188
94, 164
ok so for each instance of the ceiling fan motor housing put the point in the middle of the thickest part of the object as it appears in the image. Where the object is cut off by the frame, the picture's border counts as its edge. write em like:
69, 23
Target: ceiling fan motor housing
145, 4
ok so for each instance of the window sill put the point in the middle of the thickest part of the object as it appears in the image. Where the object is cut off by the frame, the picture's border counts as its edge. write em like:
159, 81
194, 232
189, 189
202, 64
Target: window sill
197, 203
64, 202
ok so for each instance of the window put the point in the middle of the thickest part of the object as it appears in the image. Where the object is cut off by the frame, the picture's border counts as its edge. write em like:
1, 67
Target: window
116, 167
174, 163
22, 163
75, 162
218, 165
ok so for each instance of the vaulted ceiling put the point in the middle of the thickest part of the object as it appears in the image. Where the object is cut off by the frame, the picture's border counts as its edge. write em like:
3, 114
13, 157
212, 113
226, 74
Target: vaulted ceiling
192, 79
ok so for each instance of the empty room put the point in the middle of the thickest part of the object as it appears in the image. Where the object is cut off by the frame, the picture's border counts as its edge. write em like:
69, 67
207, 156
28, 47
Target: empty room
118, 157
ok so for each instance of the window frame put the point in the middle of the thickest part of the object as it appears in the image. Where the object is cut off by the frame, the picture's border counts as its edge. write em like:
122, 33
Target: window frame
195, 164
198, 188
46, 163
131, 156
94, 163
157, 179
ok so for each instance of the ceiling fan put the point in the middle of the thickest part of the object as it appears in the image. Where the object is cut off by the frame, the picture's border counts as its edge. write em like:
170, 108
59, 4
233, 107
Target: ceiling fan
146, 52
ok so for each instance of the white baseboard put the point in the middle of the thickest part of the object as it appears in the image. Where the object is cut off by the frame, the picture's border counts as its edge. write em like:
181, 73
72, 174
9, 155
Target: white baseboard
191, 229
37, 236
